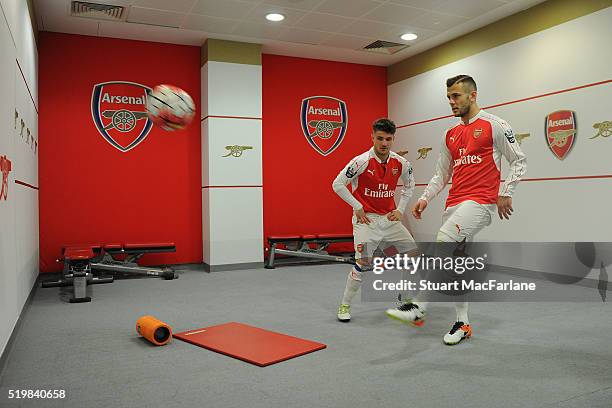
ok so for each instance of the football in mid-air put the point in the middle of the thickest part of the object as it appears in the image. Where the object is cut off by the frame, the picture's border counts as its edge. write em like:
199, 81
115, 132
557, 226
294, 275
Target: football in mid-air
169, 107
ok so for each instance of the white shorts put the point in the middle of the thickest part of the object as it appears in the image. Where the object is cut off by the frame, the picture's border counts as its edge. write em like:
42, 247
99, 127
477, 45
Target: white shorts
464, 220
381, 234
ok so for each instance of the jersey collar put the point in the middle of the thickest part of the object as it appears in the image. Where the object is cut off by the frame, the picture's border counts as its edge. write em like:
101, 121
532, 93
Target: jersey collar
474, 119
373, 154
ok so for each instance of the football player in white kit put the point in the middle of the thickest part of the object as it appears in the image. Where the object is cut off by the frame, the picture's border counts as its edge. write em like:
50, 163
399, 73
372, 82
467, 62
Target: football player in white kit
471, 153
377, 224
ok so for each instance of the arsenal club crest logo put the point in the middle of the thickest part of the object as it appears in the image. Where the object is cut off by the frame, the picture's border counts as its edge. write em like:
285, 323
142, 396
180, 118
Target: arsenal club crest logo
560, 129
324, 121
119, 113
5, 169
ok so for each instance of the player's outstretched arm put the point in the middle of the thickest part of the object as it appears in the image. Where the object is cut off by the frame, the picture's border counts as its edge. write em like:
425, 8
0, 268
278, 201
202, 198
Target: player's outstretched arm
347, 175
505, 141
438, 182
408, 183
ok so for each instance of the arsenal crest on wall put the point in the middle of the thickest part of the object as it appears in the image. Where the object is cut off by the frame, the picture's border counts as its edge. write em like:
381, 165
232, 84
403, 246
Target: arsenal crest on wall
560, 129
119, 113
324, 121
5, 169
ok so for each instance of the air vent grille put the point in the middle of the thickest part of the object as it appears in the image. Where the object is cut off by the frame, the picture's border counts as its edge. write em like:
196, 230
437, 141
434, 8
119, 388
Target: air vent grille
97, 11
384, 47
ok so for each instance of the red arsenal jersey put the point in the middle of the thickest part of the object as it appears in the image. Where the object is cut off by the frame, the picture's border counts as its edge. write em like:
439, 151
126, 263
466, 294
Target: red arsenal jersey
471, 154
374, 182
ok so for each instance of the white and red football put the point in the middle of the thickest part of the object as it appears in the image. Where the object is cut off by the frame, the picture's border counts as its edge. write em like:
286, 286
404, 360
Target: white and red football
169, 107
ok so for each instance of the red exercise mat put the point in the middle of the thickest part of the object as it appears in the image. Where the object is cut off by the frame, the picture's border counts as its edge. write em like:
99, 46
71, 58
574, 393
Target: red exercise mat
250, 344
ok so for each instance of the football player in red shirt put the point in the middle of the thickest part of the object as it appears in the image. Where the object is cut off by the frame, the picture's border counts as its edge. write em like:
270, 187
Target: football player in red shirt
471, 153
373, 176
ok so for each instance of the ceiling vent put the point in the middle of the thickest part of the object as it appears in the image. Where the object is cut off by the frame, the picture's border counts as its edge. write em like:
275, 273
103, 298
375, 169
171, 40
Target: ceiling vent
97, 11
384, 47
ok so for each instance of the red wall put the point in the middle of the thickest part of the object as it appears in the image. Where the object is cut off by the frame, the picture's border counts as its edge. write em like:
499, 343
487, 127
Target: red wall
90, 192
298, 198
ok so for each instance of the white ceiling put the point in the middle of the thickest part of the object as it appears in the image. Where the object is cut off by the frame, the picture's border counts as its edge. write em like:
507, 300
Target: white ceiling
324, 29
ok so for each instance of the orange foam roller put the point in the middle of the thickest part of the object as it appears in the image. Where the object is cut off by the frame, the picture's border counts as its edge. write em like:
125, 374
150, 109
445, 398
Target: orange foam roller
154, 330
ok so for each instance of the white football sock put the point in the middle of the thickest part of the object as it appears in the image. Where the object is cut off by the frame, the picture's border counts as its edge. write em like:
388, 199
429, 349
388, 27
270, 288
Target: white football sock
462, 312
353, 283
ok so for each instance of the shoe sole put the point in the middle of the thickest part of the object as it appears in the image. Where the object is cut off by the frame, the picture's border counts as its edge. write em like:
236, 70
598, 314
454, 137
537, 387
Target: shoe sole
420, 323
454, 344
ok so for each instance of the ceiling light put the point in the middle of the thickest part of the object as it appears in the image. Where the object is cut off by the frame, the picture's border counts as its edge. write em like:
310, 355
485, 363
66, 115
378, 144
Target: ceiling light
275, 17
409, 36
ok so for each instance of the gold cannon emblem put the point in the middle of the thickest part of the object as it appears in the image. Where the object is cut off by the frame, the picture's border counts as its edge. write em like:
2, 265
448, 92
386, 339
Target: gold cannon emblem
324, 128
604, 129
423, 152
560, 137
236, 150
123, 120
521, 136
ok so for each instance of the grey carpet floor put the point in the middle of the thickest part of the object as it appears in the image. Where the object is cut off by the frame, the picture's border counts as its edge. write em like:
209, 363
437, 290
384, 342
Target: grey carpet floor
554, 355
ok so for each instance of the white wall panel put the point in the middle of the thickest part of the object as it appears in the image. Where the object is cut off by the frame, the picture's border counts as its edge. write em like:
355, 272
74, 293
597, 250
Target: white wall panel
19, 257
26, 242
564, 56
234, 89
8, 297
7, 85
205, 152
232, 211
226, 170
10, 8
26, 136
236, 227
26, 49
206, 218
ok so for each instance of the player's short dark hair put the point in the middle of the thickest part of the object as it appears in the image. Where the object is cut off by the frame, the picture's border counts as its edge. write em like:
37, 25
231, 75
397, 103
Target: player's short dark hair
384, 125
467, 81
